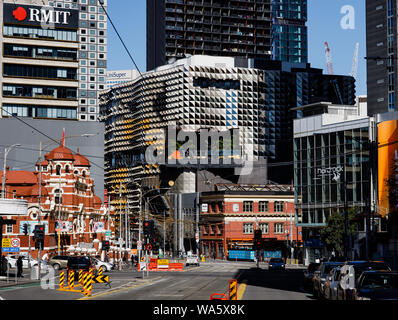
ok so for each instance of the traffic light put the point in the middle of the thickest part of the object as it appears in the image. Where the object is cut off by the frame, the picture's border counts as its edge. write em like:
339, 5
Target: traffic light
38, 236
39, 232
148, 228
106, 245
258, 240
25, 229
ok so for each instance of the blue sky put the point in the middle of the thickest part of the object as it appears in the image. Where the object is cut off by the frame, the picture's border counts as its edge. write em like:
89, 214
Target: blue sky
324, 24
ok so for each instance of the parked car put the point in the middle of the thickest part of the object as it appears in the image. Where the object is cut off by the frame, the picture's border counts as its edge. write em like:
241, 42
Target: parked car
377, 285
350, 273
276, 264
58, 262
320, 277
309, 275
12, 262
330, 288
192, 259
107, 266
77, 263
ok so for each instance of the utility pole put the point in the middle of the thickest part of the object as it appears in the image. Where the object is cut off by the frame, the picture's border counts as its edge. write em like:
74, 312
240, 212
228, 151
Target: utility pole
39, 218
120, 228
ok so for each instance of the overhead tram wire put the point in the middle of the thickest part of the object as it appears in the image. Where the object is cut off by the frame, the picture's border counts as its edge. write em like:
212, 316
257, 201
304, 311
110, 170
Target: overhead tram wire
44, 134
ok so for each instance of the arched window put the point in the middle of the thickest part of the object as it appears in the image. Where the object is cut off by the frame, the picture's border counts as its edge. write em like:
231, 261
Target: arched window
58, 170
84, 174
67, 169
58, 196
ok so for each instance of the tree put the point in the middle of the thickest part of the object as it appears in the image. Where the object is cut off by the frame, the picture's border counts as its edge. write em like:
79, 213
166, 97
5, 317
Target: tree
334, 234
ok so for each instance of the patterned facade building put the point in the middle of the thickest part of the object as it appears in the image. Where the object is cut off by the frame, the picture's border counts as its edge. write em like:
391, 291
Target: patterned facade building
74, 217
203, 92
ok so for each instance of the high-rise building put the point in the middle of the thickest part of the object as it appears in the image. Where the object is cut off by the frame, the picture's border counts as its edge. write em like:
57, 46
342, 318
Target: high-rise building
53, 58
381, 46
204, 92
177, 28
289, 30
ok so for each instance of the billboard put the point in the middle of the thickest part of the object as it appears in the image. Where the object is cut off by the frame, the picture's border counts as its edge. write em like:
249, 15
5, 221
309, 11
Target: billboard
42, 16
388, 166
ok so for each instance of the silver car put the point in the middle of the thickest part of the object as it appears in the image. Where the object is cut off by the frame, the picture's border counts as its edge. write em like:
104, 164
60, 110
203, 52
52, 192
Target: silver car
331, 284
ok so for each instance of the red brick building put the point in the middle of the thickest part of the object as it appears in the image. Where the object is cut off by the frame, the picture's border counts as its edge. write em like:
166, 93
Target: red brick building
67, 197
232, 213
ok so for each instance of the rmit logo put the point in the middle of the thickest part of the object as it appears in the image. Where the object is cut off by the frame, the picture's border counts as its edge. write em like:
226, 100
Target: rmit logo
20, 14
42, 15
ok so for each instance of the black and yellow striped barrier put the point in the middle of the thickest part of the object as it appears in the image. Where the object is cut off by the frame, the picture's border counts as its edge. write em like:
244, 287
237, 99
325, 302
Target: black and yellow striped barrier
88, 283
101, 271
62, 281
233, 289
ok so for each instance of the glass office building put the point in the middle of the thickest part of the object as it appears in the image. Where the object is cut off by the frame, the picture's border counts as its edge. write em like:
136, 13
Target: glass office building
331, 162
289, 30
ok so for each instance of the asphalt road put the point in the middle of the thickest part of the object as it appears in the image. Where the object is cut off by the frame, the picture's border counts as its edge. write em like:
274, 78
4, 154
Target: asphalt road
194, 283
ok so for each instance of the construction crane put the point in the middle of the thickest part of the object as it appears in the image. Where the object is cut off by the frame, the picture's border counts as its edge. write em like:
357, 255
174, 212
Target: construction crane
329, 62
354, 70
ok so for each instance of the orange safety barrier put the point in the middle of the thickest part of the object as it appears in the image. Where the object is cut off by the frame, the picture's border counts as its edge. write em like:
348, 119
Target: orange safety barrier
153, 264
218, 296
176, 266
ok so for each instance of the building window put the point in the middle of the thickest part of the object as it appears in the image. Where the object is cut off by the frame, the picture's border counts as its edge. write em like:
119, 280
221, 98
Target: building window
278, 206
263, 206
264, 227
247, 228
9, 228
247, 206
278, 228
58, 170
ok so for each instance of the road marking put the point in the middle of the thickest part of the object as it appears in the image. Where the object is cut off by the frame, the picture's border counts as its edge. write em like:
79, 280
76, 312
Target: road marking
1, 298
241, 290
113, 291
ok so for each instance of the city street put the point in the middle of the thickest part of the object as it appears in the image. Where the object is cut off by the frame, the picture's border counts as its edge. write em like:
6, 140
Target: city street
194, 283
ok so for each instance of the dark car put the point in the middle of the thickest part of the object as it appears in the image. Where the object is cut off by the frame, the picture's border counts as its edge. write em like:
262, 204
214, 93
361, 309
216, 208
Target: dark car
377, 285
309, 275
276, 264
77, 263
320, 277
350, 273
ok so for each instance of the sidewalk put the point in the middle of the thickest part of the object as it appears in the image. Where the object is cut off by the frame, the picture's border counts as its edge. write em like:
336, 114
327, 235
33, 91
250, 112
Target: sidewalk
20, 281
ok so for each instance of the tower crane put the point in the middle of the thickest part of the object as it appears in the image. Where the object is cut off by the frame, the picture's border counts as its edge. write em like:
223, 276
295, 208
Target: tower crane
354, 70
329, 62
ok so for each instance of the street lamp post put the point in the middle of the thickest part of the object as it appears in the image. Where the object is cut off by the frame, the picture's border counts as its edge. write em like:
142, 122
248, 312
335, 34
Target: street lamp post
6, 151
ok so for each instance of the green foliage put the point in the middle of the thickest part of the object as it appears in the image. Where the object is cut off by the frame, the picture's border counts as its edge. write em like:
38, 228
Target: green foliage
333, 235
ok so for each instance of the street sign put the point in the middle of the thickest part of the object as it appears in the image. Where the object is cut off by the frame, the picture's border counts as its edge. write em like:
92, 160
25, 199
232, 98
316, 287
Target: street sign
6, 243
10, 245
197, 237
142, 266
15, 243
108, 233
149, 247
139, 245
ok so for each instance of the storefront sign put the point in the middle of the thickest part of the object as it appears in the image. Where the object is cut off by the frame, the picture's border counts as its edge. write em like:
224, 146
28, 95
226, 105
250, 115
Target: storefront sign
40, 16
334, 172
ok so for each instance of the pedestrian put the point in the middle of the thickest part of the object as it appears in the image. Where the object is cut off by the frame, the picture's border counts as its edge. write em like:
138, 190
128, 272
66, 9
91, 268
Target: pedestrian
19, 267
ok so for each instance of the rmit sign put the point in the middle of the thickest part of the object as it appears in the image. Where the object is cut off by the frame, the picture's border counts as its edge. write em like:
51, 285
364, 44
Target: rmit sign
43, 16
